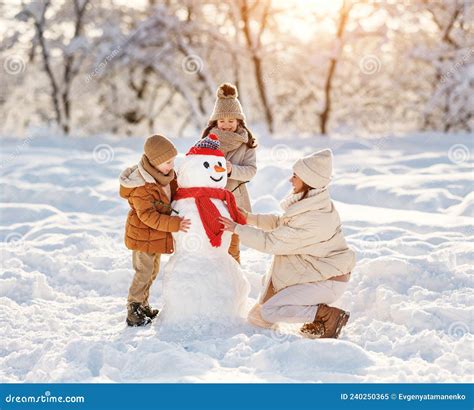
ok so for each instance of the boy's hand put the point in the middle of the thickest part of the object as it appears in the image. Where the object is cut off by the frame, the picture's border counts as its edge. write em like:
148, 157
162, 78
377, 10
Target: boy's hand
229, 167
184, 225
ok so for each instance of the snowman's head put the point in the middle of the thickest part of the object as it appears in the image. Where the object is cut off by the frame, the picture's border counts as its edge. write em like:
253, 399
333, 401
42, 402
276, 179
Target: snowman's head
203, 166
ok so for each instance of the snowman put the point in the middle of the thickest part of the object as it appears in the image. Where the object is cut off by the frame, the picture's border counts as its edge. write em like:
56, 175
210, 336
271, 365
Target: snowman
202, 282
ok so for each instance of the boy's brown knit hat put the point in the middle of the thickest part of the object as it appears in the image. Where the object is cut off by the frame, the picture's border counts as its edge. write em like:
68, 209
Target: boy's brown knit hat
227, 104
159, 149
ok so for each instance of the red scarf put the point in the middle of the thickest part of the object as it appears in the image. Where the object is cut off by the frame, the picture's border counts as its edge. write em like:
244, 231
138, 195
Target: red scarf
208, 211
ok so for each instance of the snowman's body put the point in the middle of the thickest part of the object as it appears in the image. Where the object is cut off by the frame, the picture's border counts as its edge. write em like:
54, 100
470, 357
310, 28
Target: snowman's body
202, 283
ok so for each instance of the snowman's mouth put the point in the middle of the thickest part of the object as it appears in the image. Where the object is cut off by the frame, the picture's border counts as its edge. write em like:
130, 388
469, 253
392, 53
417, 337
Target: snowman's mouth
217, 180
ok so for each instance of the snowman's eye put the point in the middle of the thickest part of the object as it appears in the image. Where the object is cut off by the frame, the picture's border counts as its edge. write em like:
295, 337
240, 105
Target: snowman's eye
206, 164
220, 164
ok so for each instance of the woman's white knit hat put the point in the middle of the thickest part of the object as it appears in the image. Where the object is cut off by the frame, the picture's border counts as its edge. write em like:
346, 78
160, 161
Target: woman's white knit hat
227, 104
316, 169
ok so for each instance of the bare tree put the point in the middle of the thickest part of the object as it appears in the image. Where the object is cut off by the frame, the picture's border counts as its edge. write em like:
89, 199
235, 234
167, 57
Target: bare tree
60, 86
326, 111
453, 54
159, 64
253, 40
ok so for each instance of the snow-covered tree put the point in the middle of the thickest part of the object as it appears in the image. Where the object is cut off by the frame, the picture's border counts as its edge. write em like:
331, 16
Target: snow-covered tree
107, 66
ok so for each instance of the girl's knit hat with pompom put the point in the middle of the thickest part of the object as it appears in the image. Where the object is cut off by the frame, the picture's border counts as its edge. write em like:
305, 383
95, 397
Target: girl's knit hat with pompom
227, 104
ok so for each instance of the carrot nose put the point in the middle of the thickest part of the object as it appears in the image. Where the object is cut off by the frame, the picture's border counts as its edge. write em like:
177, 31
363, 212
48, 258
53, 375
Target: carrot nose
217, 168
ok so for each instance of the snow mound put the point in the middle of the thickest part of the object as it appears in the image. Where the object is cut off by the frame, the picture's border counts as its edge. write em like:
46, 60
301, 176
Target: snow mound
406, 210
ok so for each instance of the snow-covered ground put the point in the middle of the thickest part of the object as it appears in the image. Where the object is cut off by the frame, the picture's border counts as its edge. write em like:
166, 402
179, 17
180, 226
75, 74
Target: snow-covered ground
407, 207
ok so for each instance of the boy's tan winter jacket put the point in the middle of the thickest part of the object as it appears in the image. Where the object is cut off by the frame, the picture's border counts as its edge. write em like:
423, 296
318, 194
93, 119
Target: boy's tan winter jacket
149, 222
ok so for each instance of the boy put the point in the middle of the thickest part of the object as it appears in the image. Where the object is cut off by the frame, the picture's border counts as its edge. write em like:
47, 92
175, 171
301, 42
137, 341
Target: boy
149, 188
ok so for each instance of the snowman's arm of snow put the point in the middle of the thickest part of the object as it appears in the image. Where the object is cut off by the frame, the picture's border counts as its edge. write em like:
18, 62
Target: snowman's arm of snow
148, 214
267, 222
283, 240
247, 169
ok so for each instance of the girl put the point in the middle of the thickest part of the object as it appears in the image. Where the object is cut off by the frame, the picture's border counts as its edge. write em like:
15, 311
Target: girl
238, 144
312, 262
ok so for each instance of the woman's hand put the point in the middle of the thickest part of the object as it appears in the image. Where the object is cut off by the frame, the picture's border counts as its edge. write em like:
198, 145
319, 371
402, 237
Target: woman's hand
184, 225
229, 224
244, 211
229, 167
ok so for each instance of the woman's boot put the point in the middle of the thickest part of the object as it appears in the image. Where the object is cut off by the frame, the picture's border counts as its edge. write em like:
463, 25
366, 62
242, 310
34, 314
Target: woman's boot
328, 323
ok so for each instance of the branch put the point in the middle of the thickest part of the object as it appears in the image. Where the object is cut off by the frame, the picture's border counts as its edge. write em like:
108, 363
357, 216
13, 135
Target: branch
39, 26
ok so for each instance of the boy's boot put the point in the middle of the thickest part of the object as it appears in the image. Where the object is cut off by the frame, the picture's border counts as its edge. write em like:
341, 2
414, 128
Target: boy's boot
136, 315
149, 311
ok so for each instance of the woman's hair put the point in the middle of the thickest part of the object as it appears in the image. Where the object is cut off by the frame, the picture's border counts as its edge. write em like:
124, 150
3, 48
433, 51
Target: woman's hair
306, 189
251, 143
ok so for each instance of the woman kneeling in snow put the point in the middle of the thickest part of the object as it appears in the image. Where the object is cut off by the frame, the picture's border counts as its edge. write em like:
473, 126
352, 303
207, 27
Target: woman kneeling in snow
312, 262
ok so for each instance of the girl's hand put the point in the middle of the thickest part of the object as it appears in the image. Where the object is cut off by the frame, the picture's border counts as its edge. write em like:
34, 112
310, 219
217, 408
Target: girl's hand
184, 225
229, 167
229, 224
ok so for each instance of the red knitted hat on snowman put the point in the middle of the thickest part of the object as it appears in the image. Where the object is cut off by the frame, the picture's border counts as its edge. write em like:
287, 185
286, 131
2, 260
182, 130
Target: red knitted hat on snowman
207, 146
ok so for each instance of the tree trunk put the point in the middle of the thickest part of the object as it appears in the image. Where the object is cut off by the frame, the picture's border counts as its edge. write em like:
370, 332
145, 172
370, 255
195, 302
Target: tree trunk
39, 26
326, 112
69, 60
256, 59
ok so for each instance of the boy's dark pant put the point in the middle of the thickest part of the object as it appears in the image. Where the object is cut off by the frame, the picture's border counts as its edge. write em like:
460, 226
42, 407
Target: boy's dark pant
147, 266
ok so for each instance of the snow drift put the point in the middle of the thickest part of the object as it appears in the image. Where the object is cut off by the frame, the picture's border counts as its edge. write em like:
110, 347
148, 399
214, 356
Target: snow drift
406, 205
